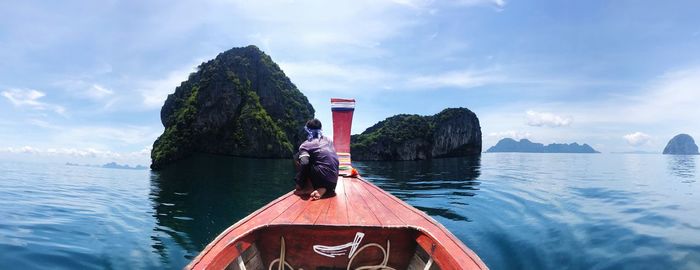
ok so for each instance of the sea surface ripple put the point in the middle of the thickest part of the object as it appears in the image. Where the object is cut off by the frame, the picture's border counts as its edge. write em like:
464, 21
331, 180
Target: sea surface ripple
516, 211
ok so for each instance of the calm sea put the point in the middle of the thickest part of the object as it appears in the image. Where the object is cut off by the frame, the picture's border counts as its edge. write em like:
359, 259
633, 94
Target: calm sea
517, 211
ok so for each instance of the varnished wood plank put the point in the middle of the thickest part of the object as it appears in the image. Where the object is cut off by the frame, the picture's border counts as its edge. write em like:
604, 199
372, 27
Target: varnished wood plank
291, 213
365, 204
300, 239
337, 208
382, 197
226, 253
324, 212
385, 216
358, 211
312, 211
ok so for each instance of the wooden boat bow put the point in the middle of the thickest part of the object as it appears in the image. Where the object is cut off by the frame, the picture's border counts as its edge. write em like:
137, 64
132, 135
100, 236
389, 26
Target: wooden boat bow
361, 226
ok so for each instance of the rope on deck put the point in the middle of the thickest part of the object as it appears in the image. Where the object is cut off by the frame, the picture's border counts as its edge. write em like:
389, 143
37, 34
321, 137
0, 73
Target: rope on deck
282, 264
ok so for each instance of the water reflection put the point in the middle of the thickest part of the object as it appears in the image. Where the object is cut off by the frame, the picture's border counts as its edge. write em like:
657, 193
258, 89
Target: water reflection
440, 187
682, 166
196, 199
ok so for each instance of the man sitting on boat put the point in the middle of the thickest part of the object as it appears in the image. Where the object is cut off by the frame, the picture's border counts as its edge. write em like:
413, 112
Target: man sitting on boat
317, 173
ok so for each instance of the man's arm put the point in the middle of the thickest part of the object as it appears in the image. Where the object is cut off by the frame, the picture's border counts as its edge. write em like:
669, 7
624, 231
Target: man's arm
304, 157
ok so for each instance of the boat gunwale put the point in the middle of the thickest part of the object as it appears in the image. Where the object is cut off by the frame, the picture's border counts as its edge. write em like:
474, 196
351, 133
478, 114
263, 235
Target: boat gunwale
250, 231
228, 230
467, 251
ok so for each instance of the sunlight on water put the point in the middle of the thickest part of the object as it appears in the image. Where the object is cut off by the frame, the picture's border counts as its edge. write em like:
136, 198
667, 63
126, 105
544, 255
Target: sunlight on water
517, 211
535, 211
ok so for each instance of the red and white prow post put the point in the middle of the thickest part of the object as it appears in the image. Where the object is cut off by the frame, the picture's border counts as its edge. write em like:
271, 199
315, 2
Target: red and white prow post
342, 110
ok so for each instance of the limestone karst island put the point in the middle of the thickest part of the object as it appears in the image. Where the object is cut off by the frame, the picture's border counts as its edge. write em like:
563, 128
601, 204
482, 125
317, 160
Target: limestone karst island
681, 144
526, 146
242, 104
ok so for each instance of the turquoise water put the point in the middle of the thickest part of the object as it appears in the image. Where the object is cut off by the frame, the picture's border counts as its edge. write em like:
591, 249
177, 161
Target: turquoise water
517, 211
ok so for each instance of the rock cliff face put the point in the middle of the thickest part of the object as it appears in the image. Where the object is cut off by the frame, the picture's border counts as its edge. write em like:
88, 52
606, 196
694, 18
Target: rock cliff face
681, 144
452, 132
240, 103
526, 146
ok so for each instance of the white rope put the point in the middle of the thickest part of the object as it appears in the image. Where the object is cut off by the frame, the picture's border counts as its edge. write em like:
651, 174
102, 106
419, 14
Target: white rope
429, 264
283, 265
380, 266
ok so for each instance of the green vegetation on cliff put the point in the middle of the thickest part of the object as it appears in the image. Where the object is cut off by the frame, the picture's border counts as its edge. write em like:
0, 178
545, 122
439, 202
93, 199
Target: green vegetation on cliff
393, 131
452, 132
175, 141
240, 103
252, 123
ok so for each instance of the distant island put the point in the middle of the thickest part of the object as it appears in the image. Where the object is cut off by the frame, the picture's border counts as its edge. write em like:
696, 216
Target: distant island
451, 133
111, 165
681, 144
526, 146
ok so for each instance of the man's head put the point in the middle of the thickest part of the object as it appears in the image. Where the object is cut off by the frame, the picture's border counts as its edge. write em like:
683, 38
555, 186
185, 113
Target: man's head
313, 129
313, 124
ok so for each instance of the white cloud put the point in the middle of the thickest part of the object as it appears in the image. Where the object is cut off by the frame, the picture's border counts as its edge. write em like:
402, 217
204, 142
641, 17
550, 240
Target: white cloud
458, 79
427, 3
30, 98
674, 97
637, 138
84, 89
539, 119
22, 97
516, 135
413, 3
83, 153
154, 92
325, 24
42, 123
498, 3
127, 135
98, 91
24, 149
667, 105
146, 151
323, 76
96, 136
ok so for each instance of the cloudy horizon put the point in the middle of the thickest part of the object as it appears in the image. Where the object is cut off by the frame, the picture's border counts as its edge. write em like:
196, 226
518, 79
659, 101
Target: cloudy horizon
83, 81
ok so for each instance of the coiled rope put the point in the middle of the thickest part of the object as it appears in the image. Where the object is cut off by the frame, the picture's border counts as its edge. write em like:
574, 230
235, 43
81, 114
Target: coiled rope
282, 264
378, 266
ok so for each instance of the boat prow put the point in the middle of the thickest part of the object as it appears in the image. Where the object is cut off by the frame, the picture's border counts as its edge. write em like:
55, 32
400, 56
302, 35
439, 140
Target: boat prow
361, 227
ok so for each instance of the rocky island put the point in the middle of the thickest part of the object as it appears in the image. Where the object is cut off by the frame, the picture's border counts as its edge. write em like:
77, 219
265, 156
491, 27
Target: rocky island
240, 103
681, 144
111, 165
526, 146
452, 132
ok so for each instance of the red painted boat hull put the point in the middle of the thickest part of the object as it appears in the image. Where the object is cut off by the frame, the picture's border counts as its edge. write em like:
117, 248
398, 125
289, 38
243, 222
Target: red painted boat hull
362, 225
358, 206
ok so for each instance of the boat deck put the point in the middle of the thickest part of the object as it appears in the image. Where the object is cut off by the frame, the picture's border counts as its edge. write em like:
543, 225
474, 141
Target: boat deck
357, 203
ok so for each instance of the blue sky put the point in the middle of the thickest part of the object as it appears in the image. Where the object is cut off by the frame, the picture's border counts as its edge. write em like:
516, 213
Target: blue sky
84, 80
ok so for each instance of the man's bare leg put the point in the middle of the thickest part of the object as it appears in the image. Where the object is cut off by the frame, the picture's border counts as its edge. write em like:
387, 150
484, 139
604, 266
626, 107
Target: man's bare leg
317, 194
305, 191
